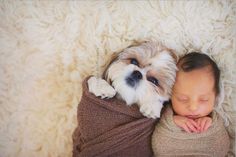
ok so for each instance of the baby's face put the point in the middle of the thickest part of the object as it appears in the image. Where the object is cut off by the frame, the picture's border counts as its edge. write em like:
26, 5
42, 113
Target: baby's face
194, 93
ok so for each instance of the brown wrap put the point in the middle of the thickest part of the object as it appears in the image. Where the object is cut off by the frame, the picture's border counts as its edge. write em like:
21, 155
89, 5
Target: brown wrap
111, 128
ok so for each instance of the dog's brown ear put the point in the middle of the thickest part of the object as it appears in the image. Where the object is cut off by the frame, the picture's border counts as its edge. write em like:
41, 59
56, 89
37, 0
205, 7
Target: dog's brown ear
137, 43
173, 54
113, 58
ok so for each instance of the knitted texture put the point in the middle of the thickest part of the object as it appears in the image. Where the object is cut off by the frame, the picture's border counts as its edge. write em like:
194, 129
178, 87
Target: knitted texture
111, 128
170, 140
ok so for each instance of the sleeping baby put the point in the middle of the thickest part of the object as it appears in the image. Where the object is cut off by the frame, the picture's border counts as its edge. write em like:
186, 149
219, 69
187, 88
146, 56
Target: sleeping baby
189, 125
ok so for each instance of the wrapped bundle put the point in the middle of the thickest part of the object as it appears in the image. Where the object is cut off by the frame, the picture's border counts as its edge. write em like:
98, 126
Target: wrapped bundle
111, 128
170, 140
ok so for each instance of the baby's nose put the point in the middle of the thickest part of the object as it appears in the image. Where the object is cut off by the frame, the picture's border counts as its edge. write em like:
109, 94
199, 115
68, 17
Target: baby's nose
193, 107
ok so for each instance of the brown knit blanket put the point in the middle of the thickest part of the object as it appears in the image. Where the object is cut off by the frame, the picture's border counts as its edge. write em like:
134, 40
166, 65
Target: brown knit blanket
171, 141
111, 128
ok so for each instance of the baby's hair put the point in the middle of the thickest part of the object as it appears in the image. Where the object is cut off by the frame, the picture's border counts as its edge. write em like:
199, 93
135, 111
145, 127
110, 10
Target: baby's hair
196, 60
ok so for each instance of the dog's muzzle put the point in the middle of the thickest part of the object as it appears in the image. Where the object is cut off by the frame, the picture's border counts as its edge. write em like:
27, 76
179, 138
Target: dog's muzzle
134, 78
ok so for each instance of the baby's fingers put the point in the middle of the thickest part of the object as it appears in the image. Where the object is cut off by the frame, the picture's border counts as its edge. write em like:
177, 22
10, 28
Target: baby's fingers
195, 124
192, 125
200, 124
185, 127
204, 123
207, 124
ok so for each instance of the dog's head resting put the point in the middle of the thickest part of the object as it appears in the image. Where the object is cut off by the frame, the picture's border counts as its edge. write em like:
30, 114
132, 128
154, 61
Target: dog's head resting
143, 74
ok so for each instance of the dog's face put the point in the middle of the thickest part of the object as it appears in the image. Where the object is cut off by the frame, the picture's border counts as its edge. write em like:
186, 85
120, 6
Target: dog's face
143, 74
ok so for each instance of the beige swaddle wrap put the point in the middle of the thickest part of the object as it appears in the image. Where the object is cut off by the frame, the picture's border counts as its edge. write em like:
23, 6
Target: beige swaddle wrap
170, 140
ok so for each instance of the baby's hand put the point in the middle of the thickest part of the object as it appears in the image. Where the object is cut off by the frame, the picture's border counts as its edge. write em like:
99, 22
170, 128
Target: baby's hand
204, 123
189, 125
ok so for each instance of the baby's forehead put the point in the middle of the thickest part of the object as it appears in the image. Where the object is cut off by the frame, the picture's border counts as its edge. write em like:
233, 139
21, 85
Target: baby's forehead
198, 78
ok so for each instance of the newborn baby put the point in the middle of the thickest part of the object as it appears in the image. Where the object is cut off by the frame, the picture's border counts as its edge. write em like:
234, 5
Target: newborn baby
189, 124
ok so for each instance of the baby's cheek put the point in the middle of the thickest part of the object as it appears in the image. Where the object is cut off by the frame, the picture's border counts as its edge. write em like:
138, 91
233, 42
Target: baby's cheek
207, 109
179, 108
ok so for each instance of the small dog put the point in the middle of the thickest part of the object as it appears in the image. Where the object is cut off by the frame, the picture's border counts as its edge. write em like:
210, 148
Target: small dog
142, 75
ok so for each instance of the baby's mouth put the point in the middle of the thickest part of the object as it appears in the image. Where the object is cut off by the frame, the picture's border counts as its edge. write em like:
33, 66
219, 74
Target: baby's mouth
192, 116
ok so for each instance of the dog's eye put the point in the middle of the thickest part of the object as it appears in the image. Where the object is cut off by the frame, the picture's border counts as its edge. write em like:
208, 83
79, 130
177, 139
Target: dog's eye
134, 61
153, 80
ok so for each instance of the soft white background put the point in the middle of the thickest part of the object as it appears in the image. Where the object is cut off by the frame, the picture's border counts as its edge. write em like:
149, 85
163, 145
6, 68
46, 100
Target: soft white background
47, 48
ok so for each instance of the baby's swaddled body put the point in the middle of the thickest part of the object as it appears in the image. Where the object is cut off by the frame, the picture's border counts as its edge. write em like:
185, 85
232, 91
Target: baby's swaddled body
170, 140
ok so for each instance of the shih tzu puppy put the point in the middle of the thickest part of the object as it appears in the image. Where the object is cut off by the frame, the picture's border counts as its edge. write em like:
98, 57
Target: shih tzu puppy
143, 74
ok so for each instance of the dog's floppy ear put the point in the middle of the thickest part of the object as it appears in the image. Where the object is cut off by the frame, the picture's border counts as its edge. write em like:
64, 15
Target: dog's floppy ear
138, 43
135, 43
113, 58
173, 54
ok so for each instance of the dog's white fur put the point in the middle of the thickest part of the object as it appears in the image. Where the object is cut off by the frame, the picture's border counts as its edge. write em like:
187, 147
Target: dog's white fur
154, 60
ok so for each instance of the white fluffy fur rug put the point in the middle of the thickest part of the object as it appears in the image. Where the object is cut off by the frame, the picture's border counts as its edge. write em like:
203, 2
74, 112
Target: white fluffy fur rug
48, 47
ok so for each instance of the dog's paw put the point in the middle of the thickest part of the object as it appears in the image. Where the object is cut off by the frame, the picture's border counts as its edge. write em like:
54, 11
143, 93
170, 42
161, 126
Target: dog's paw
100, 87
151, 110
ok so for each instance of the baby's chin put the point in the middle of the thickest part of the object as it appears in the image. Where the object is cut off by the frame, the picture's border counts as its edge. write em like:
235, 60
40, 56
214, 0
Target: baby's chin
197, 116
193, 116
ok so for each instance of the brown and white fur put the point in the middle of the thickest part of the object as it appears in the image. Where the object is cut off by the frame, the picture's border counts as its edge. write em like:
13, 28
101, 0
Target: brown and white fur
142, 75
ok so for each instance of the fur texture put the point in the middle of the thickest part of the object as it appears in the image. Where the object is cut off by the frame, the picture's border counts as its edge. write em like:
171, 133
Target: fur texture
48, 47
141, 75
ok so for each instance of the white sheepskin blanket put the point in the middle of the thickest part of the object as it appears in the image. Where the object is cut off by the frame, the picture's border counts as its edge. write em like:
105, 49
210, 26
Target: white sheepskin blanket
48, 47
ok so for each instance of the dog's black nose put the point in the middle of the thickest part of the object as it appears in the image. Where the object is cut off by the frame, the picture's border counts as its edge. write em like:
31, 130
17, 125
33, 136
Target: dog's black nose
134, 78
137, 75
